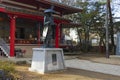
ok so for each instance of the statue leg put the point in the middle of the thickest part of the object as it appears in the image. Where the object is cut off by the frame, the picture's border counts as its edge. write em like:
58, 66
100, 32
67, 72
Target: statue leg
49, 38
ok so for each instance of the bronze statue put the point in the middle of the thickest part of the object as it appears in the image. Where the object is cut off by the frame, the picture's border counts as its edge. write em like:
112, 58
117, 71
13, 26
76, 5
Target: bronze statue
49, 23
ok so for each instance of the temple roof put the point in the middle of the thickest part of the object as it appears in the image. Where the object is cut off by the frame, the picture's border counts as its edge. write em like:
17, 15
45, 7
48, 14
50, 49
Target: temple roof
41, 5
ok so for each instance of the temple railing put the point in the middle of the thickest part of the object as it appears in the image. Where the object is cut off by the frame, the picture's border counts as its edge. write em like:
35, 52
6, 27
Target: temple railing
4, 47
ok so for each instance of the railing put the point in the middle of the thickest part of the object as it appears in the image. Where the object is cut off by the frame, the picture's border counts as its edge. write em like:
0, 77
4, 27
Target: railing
4, 47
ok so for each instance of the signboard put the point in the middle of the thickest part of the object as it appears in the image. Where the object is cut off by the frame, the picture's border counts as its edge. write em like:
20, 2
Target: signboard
118, 44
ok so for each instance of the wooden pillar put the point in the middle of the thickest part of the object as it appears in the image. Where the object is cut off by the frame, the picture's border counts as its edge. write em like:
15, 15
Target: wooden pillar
12, 35
57, 36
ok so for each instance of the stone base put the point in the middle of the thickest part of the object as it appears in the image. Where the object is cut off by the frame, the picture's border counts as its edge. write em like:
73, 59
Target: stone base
47, 59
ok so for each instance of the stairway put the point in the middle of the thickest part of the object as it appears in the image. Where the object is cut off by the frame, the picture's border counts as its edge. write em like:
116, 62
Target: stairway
4, 47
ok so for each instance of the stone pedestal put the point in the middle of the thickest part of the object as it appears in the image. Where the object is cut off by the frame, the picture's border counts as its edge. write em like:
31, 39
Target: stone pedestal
47, 59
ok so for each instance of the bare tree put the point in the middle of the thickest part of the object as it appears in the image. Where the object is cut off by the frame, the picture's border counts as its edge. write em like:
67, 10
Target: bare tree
111, 27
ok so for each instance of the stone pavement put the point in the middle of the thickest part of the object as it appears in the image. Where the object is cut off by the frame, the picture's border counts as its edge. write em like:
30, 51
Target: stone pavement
93, 66
90, 65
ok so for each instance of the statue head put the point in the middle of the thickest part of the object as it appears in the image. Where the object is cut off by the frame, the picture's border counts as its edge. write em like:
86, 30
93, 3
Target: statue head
48, 18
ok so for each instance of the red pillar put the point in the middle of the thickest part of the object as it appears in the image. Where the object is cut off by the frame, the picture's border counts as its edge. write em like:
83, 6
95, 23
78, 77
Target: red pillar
57, 36
12, 35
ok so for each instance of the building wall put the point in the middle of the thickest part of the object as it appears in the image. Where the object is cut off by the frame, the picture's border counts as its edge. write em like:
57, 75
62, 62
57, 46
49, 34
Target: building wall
28, 27
27, 48
4, 27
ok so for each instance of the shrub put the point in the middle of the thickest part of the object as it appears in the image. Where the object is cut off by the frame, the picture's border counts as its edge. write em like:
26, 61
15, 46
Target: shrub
9, 69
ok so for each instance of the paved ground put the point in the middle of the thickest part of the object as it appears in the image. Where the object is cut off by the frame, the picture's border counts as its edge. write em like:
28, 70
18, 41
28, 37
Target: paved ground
100, 58
67, 74
93, 66
94, 63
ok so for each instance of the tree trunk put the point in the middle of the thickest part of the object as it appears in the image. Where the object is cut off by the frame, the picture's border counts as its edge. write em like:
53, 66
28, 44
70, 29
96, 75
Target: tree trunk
111, 27
79, 35
86, 39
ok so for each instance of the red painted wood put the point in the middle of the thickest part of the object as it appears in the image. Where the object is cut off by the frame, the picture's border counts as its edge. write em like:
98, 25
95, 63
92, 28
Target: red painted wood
57, 36
12, 35
45, 4
2, 10
28, 16
33, 17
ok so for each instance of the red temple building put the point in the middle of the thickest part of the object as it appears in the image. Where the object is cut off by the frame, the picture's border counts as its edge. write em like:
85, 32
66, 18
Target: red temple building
21, 22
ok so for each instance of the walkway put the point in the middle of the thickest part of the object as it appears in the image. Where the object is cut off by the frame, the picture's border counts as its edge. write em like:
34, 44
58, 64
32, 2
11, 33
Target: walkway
93, 66
73, 62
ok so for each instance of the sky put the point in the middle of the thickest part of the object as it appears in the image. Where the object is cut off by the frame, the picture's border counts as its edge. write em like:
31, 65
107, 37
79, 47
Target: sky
116, 8
115, 4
